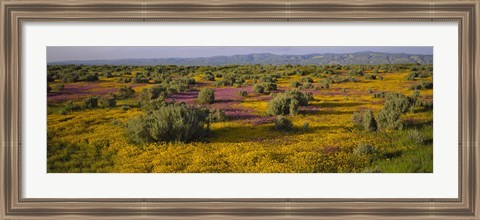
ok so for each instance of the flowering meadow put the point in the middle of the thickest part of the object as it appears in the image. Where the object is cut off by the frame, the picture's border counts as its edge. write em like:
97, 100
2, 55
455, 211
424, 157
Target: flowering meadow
240, 119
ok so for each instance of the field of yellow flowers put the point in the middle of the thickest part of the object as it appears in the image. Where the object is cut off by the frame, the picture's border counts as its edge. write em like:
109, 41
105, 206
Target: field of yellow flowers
324, 138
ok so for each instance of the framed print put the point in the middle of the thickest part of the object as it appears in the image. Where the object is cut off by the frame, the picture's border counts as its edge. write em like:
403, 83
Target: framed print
238, 110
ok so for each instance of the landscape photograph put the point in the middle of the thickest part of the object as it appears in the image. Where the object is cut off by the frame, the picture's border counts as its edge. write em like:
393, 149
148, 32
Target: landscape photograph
239, 109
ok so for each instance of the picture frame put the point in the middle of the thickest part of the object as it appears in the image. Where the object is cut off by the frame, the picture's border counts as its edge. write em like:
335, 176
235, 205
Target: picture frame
15, 13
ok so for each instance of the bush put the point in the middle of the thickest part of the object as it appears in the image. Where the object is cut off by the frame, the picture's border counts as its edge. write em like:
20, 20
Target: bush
365, 120
108, 102
416, 136
70, 106
295, 84
209, 77
363, 149
305, 126
269, 87
150, 94
282, 123
389, 117
126, 92
171, 123
257, 88
422, 85
90, 102
217, 116
58, 87
206, 96
243, 93
287, 103
302, 98
280, 105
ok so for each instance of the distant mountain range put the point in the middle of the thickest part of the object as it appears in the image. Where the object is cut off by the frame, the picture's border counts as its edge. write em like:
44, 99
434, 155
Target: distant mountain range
366, 57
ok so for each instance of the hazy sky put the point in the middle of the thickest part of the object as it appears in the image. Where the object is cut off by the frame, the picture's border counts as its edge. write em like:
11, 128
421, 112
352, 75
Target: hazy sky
62, 53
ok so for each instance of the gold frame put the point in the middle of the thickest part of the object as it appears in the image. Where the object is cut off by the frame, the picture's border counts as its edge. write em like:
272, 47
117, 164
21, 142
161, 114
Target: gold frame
14, 12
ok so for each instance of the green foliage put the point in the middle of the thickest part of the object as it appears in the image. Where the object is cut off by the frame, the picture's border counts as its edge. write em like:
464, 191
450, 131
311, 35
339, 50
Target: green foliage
369, 123
217, 115
153, 93
90, 102
295, 84
126, 92
270, 87
171, 123
363, 149
209, 76
287, 103
58, 87
422, 85
108, 102
282, 123
416, 136
389, 117
243, 93
206, 96
259, 89
365, 120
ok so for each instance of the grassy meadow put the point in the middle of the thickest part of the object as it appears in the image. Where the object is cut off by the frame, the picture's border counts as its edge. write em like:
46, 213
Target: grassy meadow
245, 119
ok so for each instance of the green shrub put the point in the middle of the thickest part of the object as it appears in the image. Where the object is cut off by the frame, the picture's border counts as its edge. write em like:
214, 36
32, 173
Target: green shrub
369, 123
259, 89
416, 136
287, 103
126, 92
301, 97
206, 96
58, 87
171, 123
280, 105
243, 93
363, 149
282, 123
365, 120
305, 126
295, 84
389, 116
270, 87
217, 116
108, 102
422, 85
209, 77
90, 102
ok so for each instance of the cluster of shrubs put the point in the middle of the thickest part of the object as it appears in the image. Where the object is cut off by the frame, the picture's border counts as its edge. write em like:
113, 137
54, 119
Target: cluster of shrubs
422, 85
264, 87
170, 122
209, 76
389, 117
303, 83
109, 101
287, 103
206, 96
424, 71
231, 79
243, 93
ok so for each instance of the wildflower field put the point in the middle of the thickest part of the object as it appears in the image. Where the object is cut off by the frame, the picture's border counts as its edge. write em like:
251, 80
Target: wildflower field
240, 119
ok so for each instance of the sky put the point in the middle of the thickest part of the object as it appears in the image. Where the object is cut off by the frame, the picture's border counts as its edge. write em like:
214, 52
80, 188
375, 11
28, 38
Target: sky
67, 53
